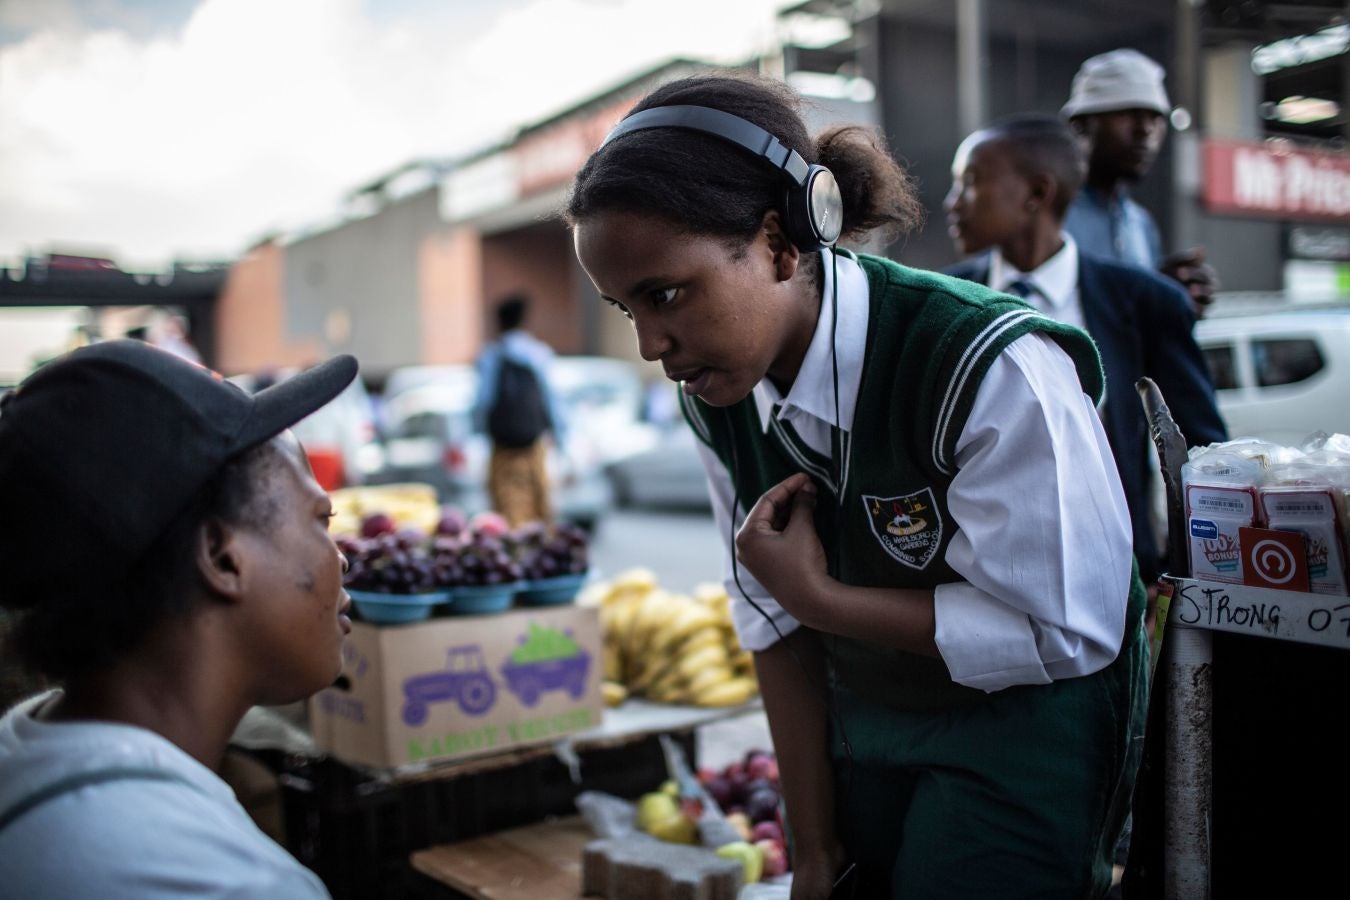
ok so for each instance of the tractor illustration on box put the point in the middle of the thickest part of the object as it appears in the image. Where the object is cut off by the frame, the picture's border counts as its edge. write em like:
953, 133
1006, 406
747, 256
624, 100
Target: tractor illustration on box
464, 680
546, 660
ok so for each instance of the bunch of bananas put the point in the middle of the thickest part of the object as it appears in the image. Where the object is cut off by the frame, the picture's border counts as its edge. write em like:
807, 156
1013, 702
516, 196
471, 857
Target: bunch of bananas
411, 505
669, 647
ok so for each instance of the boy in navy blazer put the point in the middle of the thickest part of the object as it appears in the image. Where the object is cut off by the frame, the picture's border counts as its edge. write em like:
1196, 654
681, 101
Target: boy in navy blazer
1011, 185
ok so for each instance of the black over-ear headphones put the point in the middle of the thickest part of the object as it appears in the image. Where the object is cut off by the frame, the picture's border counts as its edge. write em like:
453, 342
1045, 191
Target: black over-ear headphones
813, 210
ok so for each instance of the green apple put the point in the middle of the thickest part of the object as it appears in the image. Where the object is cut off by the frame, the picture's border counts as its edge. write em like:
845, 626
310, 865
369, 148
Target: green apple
655, 807
750, 857
676, 829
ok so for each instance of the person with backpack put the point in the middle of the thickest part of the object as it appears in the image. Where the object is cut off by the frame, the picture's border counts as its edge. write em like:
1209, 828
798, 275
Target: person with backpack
165, 555
516, 407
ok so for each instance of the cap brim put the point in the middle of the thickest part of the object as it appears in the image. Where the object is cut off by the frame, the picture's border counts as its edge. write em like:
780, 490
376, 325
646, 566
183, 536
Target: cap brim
1091, 107
280, 406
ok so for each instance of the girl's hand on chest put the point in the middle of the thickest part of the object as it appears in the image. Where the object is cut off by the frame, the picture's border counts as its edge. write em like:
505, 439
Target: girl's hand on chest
778, 544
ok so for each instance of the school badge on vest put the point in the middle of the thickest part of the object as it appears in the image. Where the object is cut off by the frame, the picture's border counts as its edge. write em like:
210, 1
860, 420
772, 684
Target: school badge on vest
909, 527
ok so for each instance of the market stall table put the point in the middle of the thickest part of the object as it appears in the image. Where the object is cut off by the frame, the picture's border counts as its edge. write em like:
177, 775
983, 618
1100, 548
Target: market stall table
528, 863
356, 826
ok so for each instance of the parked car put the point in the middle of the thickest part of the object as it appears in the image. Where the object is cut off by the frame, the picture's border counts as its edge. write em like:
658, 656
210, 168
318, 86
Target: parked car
669, 475
1280, 376
602, 400
429, 434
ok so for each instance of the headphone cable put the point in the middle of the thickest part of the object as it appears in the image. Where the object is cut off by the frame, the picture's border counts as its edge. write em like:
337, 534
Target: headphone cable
830, 700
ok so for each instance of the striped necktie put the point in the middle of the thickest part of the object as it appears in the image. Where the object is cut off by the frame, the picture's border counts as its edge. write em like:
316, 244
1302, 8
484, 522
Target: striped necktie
1022, 288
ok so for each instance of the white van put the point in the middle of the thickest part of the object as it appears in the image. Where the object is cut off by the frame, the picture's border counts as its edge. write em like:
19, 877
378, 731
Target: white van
1282, 375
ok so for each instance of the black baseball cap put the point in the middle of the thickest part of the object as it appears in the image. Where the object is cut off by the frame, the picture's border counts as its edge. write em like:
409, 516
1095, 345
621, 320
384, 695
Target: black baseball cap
102, 448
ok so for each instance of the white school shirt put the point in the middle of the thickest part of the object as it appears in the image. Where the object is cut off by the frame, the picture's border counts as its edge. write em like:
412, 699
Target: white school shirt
1046, 570
1055, 282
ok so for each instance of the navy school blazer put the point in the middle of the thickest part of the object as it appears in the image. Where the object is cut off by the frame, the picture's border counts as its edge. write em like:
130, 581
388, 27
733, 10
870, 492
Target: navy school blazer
1142, 324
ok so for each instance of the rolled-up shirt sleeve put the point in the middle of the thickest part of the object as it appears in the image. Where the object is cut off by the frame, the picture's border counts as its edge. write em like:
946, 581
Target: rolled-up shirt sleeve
754, 627
1043, 536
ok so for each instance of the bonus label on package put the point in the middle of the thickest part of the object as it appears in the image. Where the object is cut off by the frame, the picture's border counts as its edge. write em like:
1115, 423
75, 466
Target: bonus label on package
1214, 516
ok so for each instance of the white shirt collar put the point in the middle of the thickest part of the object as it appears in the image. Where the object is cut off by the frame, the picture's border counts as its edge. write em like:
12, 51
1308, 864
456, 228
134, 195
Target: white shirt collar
1056, 278
812, 392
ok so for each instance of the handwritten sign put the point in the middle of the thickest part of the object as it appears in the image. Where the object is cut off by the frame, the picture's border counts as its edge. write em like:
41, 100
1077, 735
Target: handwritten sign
1260, 612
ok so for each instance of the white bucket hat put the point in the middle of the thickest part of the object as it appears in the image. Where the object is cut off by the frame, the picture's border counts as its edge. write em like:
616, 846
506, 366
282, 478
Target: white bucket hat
1120, 79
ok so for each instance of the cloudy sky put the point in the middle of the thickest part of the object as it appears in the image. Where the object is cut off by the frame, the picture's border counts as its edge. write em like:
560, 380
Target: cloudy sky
154, 129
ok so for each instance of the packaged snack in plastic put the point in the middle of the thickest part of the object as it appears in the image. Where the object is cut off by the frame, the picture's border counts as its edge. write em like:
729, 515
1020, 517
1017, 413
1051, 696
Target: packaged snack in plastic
1220, 484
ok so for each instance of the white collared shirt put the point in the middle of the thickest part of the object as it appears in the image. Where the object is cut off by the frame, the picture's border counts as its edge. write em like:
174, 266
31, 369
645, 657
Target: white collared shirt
1043, 534
1055, 280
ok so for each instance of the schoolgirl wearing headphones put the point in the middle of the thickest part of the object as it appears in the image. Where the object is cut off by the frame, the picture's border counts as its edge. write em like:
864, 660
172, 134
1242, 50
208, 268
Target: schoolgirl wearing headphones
935, 570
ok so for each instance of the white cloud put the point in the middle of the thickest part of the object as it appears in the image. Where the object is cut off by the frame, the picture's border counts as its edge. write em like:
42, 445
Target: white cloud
259, 114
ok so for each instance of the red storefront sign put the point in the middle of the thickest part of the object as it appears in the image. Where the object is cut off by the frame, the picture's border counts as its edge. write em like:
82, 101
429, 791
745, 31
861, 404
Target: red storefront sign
1276, 182
551, 157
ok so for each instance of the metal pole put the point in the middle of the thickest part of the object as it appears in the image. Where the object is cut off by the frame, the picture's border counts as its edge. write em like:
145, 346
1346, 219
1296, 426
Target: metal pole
971, 40
1187, 770
1188, 658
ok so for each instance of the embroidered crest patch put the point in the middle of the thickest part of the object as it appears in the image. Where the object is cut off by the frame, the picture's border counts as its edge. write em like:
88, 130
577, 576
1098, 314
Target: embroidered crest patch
909, 527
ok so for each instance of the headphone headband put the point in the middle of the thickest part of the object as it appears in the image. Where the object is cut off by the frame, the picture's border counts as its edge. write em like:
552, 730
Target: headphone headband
719, 124
811, 206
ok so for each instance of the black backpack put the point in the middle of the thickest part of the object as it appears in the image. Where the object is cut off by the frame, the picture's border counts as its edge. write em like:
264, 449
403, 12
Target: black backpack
518, 415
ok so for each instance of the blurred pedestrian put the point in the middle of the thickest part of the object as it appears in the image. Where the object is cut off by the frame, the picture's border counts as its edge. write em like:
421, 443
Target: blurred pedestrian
166, 553
1011, 185
1118, 107
519, 410
934, 570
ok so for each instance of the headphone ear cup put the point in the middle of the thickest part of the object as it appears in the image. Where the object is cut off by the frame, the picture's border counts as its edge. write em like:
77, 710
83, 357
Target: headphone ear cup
814, 211
797, 221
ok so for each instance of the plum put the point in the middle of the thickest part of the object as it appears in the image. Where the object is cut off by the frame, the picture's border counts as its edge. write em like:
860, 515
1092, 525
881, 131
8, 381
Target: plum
720, 790
762, 805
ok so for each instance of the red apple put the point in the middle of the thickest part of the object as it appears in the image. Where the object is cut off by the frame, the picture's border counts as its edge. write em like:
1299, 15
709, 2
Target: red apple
376, 524
763, 766
489, 523
768, 830
775, 857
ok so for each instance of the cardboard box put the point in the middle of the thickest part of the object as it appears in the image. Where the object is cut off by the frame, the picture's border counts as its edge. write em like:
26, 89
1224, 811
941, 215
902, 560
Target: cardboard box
462, 686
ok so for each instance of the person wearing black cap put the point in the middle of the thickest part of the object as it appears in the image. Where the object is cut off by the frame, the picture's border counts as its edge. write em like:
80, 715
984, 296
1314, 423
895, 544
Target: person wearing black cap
164, 548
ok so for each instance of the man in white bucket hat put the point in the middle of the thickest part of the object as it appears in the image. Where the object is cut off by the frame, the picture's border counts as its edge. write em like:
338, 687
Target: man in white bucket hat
1118, 107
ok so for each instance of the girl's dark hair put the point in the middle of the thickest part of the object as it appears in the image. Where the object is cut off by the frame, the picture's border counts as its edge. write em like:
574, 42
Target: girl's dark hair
706, 185
65, 634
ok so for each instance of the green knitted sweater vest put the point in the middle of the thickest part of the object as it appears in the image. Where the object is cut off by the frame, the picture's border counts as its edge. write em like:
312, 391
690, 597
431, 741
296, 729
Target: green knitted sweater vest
930, 340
